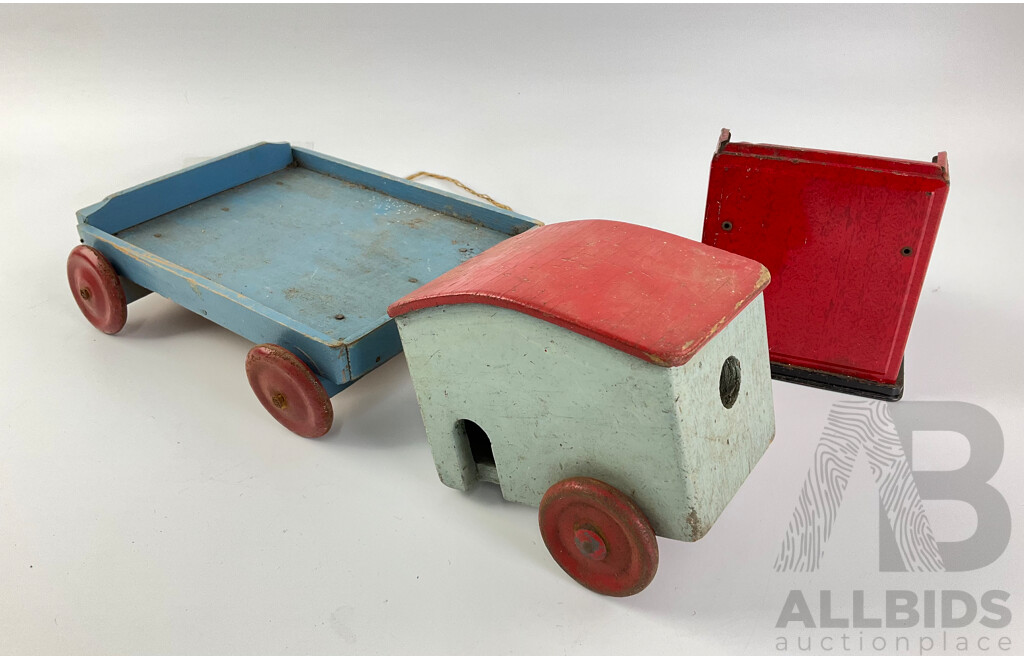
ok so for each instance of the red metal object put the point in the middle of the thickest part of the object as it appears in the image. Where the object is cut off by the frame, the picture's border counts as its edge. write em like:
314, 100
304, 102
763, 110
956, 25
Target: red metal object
651, 294
289, 390
97, 289
598, 536
847, 239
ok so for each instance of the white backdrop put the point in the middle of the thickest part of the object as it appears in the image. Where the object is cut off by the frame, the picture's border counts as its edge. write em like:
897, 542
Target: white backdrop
149, 505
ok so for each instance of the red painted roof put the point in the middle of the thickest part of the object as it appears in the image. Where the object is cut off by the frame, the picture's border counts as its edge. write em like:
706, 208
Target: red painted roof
654, 295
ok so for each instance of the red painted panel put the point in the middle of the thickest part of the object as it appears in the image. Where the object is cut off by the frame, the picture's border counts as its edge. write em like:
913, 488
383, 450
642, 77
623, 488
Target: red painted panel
654, 295
847, 239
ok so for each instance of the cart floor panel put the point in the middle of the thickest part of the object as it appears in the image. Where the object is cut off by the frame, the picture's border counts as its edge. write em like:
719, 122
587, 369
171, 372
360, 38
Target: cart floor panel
313, 247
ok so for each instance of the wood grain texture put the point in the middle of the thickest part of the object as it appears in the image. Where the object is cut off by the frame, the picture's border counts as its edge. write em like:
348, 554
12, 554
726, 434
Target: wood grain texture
556, 404
651, 294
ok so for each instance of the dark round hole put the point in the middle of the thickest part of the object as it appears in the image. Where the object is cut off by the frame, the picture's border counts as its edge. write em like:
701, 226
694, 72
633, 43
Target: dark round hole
729, 381
727, 226
907, 251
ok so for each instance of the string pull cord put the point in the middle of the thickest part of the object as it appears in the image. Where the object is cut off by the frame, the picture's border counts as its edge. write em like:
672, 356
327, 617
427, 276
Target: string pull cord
460, 184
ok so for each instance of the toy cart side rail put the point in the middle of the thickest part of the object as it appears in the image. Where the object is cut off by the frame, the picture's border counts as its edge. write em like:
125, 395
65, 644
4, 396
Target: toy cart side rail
507, 222
165, 194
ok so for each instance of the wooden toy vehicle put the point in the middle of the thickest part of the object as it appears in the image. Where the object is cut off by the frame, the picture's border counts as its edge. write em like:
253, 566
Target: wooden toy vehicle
298, 252
614, 375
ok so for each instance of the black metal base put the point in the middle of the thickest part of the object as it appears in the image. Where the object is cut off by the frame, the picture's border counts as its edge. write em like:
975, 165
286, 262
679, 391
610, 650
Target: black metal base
837, 383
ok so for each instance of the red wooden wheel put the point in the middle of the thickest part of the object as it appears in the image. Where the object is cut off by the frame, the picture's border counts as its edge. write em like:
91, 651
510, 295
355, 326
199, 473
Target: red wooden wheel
598, 536
97, 289
289, 390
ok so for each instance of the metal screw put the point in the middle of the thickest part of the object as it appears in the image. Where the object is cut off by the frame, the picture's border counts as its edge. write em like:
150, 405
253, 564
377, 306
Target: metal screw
727, 226
279, 400
907, 251
340, 317
85, 293
413, 280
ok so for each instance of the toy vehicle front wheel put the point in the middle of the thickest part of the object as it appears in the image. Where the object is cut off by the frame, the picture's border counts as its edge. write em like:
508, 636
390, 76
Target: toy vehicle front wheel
598, 536
97, 289
289, 390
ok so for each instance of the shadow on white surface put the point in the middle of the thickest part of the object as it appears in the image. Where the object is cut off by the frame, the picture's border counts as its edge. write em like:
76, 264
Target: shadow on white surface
379, 411
155, 317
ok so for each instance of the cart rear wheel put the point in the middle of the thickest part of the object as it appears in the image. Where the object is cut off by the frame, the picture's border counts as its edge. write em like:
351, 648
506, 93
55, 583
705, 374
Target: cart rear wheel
289, 390
598, 536
97, 289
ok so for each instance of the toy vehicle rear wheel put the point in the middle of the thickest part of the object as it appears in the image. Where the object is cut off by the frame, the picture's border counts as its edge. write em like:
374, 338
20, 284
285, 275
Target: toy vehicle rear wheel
289, 390
97, 289
598, 536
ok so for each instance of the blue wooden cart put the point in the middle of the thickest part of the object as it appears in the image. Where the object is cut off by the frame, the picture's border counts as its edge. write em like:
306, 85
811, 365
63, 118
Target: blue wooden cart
298, 252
